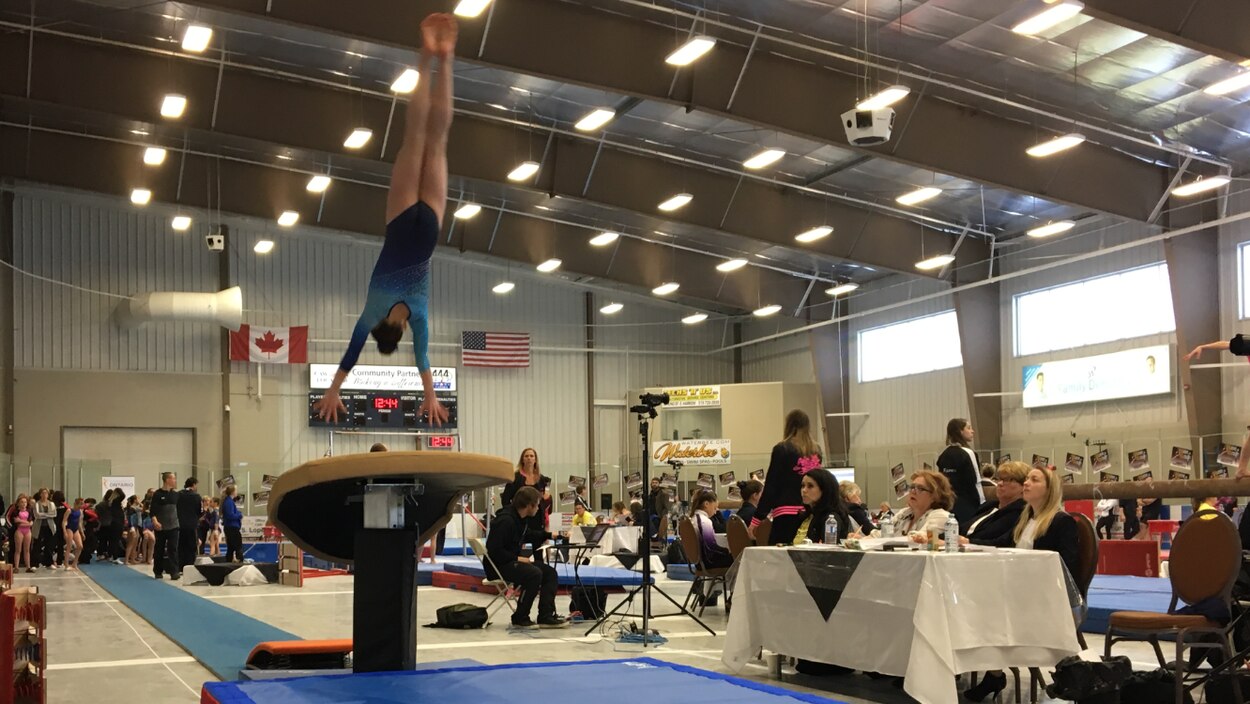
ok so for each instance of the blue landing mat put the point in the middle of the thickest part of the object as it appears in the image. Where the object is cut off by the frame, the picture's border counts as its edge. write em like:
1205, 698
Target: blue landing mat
220, 638
425, 571
456, 546
645, 679
1108, 593
590, 576
258, 675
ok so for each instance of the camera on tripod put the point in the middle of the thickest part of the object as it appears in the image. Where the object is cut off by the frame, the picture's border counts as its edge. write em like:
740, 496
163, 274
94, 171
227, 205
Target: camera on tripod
659, 399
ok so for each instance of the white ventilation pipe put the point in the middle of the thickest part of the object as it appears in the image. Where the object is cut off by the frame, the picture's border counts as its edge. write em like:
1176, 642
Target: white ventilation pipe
224, 308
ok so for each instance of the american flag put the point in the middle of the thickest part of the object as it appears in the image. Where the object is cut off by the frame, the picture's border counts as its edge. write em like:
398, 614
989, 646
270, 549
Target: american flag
495, 349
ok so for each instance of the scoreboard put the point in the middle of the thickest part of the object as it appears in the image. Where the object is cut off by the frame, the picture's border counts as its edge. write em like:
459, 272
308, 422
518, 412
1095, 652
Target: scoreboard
383, 398
383, 410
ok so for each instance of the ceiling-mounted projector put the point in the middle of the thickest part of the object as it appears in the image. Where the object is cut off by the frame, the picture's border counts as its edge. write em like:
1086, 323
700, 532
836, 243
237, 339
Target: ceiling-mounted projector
865, 128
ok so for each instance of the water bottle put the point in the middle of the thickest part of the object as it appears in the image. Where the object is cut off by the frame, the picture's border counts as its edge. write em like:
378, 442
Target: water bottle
887, 527
831, 530
952, 533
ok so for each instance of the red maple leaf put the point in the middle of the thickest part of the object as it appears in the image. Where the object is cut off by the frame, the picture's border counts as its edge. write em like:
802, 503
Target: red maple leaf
268, 343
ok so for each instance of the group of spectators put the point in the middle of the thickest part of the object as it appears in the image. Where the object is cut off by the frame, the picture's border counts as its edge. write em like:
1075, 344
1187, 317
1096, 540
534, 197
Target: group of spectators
165, 528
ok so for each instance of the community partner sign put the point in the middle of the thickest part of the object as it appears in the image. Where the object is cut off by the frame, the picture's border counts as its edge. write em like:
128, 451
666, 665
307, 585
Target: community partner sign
1145, 371
691, 396
691, 451
365, 377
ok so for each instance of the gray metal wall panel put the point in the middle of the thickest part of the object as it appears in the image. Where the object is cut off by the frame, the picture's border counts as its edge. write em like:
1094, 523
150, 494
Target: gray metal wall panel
787, 359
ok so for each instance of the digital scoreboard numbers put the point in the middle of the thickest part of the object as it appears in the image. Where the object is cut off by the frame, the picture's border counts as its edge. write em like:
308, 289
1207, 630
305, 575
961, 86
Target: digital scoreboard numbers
382, 410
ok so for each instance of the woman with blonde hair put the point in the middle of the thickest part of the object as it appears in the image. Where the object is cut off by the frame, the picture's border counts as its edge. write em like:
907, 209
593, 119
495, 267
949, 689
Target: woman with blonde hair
853, 500
792, 458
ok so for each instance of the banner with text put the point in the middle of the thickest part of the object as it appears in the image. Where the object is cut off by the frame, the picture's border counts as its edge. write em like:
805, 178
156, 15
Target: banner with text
365, 377
691, 451
691, 396
1145, 371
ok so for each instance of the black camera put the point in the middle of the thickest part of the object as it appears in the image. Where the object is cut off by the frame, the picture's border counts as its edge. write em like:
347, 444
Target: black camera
654, 399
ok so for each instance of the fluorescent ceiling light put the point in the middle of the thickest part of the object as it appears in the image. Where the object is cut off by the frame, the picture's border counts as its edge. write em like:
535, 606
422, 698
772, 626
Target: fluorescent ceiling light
1051, 228
180, 223
731, 265
1049, 17
595, 119
173, 105
550, 265
288, 218
694, 318
1200, 186
470, 8
677, 201
467, 211
842, 288
884, 99
604, 239
765, 311
1228, 85
140, 196
666, 288
358, 138
919, 195
937, 262
154, 156
263, 246
611, 308
689, 52
816, 233
406, 82
524, 172
196, 38
1055, 145
764, 158
141, 133
503, 287
318, 184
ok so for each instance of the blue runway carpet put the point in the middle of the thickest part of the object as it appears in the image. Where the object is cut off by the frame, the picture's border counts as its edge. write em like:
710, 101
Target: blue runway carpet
637, 680
1108, 593
220, 638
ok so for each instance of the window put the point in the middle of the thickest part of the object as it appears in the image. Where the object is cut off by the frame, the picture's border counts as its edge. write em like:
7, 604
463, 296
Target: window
1243, 279
1129, 304
910, 347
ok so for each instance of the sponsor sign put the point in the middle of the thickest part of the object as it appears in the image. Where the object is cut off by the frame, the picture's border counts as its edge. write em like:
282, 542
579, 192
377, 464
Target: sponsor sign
693, 396
366, 377
1145, 371
692, 452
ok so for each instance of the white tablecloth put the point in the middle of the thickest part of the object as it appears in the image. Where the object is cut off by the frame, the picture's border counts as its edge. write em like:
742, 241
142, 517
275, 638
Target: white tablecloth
616, 538
925, 616
657, 566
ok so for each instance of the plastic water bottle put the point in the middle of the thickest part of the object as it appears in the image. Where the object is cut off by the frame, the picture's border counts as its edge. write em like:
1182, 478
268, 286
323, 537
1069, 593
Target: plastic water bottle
887, 527
831, 530
952, 533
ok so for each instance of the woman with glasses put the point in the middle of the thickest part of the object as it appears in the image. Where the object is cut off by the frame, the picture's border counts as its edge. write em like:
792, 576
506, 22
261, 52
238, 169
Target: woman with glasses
1042, 526
998, 517
960, 466
929, 499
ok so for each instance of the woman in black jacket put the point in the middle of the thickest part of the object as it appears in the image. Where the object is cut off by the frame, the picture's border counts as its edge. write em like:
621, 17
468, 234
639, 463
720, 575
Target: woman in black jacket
959, 463
853, 499
821, 499
750, 491
792, 458
997, 518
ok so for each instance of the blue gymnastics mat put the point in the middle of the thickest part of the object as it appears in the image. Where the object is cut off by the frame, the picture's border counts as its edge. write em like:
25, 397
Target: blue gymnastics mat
425, 571
219, 637
258, 675
1108, 593
644, 679
456, 546
591, 576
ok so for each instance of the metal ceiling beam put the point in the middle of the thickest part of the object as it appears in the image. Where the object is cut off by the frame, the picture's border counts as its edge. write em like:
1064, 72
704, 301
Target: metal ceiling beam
1216, 27
128, 83
565, 42
113, 168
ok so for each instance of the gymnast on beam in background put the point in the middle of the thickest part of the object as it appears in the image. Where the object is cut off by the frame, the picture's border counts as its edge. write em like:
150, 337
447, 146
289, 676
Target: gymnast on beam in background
399, 289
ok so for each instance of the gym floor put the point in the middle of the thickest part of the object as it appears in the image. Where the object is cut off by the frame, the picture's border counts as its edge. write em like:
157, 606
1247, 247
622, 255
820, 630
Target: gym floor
100, 649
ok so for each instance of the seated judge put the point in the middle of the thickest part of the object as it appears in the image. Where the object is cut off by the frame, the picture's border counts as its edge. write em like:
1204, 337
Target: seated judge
509, 532
998, 517
821, 499
853, 499
929, 501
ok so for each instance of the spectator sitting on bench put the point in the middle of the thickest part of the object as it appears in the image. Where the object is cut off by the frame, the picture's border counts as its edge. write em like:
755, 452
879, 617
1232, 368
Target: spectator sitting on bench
506, 547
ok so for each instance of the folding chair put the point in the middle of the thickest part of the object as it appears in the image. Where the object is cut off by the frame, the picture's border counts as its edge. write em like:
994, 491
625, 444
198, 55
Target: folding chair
694, 558
505, 592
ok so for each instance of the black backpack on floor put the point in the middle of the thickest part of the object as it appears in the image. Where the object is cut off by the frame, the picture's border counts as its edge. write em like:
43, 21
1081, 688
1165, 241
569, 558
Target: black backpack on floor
460, 616
590, 603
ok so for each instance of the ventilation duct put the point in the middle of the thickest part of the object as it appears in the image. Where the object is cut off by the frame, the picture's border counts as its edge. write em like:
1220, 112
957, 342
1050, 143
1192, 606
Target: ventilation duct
224, 308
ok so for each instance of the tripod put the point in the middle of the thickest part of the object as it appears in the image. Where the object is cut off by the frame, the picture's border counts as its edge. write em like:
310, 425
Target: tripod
646, 412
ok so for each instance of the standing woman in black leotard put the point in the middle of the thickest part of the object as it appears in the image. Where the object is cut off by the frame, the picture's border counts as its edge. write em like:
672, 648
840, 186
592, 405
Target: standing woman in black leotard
529, 474
959, 463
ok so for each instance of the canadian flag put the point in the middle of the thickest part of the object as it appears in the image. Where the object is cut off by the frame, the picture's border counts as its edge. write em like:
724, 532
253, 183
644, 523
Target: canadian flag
270, 345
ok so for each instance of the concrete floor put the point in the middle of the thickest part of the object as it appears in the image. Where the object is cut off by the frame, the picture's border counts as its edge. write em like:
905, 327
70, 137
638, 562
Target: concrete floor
100, 649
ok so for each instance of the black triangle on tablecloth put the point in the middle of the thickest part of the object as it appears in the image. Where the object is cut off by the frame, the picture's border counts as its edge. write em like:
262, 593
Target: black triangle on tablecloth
825, 574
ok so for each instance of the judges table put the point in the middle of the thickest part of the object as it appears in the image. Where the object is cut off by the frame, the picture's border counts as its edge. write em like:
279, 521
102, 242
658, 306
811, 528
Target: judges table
615, 539
926, 616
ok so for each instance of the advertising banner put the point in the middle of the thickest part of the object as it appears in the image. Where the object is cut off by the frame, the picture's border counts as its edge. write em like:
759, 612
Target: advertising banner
695, 452
367, 377
1145, 371
693, 396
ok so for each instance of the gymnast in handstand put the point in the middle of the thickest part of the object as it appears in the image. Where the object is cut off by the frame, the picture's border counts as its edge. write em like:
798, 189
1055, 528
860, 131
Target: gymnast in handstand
399, 289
